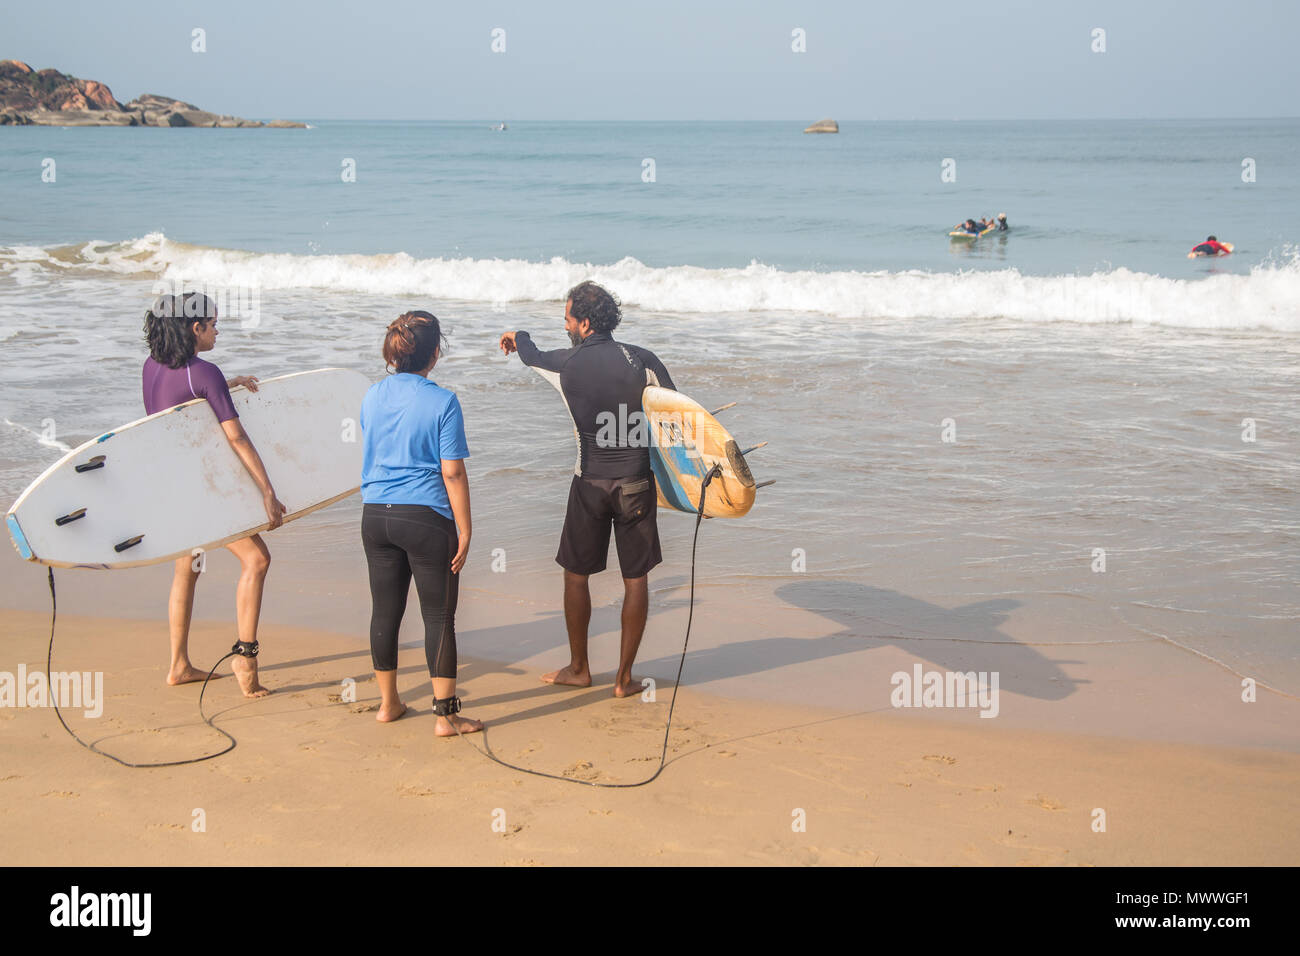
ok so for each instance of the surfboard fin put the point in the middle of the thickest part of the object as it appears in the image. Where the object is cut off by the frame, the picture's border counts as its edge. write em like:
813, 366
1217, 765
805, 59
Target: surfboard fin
764, 484
96, 462
128, 543
761, 444
68, 518
723, 408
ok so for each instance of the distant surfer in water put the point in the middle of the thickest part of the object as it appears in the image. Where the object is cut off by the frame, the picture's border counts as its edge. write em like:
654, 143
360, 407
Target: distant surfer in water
613, 486
1210, 247
415, 518
178, 327
1002, 222
970, 226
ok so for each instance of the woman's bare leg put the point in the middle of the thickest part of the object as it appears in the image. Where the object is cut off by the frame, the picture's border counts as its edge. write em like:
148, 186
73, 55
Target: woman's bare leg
180, 607
254, 561
390, 704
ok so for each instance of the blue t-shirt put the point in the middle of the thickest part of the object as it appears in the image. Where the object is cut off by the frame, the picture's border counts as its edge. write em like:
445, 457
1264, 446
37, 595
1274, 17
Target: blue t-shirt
408, 425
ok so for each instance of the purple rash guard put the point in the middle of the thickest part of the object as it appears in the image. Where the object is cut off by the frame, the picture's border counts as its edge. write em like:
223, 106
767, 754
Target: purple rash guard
167, 387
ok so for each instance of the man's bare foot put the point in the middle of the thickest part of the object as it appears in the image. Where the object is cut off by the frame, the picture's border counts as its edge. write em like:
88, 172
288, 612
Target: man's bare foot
629, 688
388, 715
188, 675
464, 724
246, 672
569, 677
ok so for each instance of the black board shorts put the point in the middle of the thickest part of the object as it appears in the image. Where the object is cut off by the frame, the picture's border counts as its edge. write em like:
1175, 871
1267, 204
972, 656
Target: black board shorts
630, 506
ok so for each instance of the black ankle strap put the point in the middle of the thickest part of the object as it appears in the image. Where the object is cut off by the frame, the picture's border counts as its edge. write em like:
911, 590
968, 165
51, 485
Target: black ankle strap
446, 706
245, 648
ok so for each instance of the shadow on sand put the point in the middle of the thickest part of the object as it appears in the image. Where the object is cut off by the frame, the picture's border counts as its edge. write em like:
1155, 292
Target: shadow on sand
963, 638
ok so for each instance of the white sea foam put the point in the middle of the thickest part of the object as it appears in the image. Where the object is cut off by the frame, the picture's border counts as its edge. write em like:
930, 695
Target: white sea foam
1268, 297
40, 437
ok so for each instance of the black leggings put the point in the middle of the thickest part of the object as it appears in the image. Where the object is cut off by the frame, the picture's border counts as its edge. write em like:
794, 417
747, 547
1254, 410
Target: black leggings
401, 541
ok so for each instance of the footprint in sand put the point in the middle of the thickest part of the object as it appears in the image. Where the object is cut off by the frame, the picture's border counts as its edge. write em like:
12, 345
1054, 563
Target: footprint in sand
165, 826
582, 770
363, 708
416, 791
941, 758
1047, 803
65, 794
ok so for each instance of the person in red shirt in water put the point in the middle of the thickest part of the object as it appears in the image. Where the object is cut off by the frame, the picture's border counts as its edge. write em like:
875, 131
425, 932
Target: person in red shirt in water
1211, 247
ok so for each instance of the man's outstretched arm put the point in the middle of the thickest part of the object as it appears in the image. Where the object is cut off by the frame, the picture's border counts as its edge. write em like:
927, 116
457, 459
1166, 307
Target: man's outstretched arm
530, 354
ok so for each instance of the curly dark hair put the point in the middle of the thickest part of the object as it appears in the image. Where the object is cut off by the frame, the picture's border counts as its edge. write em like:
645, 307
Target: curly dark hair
591, 302
169, 326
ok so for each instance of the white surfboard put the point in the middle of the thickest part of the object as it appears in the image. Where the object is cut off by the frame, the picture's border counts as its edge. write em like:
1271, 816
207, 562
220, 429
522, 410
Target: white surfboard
157, 488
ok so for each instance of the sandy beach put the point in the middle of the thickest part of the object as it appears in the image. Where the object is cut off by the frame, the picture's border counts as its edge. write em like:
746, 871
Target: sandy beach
752, 778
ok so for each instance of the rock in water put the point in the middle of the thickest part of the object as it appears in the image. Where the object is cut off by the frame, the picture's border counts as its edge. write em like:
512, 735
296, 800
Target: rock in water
824, 126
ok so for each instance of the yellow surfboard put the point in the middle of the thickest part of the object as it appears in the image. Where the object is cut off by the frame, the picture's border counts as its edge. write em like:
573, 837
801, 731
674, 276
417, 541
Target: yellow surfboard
685, 443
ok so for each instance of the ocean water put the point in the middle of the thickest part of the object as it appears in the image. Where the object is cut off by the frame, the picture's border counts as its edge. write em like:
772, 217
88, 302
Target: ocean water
1097, 389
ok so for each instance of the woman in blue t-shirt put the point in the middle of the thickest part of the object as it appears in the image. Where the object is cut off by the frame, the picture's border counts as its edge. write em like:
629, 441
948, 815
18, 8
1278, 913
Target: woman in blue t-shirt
415, 519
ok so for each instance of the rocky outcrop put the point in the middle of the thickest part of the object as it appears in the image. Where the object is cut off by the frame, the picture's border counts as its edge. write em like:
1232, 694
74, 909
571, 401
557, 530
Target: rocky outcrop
49, 98
156, 110
824, 126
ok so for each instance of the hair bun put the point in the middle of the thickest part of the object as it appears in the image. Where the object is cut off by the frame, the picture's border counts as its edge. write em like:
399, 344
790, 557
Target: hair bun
412, 341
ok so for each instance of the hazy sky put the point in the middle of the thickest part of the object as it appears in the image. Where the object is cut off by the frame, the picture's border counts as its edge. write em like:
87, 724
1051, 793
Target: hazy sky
931, 59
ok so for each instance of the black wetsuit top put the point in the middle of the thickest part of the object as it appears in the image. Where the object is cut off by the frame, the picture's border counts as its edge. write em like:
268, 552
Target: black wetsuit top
596, 378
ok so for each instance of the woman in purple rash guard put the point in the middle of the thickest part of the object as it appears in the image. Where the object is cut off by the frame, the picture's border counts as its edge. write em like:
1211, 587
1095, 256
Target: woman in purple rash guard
178, 327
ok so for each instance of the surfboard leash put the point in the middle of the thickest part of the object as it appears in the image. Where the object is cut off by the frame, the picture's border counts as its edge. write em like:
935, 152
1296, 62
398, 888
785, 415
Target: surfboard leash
49, 658
663, 755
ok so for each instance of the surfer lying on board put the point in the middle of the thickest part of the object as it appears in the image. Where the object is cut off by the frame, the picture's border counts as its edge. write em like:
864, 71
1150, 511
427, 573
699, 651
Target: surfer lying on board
613, 485
970, 226
177, 328
1210, 247
415, 519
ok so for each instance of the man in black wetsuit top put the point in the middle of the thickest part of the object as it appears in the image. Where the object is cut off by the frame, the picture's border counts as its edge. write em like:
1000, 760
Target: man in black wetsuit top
601, 381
